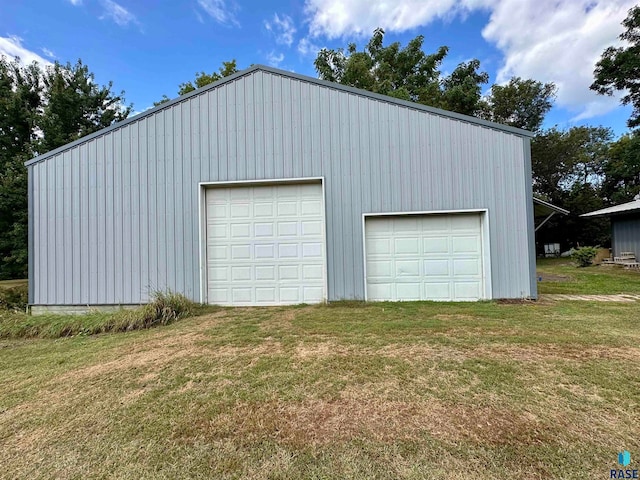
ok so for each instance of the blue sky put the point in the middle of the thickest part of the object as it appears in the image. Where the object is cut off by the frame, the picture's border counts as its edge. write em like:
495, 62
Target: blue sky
148, 48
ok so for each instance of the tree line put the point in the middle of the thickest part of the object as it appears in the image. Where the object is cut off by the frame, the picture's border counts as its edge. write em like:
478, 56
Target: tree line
581, 168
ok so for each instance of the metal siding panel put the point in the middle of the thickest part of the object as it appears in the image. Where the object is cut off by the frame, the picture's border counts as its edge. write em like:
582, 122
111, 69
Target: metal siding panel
375, 157
626, 235
240, 107
223, 155
63, 213
126, 251
146, 186
231, 131
79, 278
248, 147
135, 191
104, 194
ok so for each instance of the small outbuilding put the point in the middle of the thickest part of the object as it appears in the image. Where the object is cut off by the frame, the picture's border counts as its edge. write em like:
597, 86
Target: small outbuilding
625, 227
271, 188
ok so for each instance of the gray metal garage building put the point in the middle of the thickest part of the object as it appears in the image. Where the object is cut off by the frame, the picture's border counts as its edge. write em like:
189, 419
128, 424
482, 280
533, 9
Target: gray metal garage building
269, 187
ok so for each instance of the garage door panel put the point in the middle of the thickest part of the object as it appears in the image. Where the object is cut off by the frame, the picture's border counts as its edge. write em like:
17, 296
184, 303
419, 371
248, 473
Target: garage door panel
379, 246
265, 272
438, 291
436, 268
467, 290
265, 295
463, 267
263, 230
262, 210
406, 246
465, 244
274, 255
407, 268
240, 252
435, 245
312, 250
424, 257
408, 291
470, 222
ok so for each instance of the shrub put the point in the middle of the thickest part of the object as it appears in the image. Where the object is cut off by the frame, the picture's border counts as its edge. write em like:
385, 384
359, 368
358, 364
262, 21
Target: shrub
584, 256
14, 298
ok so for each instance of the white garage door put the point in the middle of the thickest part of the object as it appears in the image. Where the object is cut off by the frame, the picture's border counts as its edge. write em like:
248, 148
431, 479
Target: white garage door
424, 257
265, 245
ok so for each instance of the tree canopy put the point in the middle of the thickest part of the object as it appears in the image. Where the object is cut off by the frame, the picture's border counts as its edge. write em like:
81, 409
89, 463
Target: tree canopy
411, 74
619, 67
202, 79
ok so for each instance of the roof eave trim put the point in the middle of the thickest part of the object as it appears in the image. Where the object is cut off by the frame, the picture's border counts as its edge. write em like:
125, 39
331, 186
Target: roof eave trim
550, 206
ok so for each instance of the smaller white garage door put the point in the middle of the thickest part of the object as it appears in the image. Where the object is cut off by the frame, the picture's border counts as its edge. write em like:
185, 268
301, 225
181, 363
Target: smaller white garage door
424, 257
265, 245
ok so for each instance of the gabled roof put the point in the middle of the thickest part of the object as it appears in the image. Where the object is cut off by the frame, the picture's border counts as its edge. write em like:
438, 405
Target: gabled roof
545, 208
284, 73
617, 210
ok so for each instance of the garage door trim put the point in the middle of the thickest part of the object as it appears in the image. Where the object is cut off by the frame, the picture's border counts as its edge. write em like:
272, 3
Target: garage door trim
485, 241
202, 221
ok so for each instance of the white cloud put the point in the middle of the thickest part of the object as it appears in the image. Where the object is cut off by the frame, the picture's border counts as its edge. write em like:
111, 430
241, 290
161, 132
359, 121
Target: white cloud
75, 2
547, 40
219, 11
12, 47
48, 53
275, 59
282, 27
118, 13
560, 42
307, 47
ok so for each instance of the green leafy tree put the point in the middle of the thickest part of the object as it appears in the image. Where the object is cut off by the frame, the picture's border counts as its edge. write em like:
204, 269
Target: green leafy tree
20, 106
619, 67
562, 159
76, 105
521, 103
621, 169
406, 73
202, 79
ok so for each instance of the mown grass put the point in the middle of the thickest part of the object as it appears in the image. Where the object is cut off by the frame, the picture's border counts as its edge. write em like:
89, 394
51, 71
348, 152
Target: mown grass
347, 390
560, 275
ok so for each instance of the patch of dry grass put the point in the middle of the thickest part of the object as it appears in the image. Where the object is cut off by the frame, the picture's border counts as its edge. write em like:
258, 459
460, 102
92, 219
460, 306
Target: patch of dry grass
355, 391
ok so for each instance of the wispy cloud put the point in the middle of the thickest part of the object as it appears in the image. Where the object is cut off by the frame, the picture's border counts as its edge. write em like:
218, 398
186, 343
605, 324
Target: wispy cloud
275, 59
48, 53
219, 11
75, 2
118, 13
282, 27
12, 47
307, 47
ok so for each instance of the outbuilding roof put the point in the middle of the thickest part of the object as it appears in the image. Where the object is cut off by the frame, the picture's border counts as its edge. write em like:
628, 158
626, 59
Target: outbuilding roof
542, 208
617, 210
304, 78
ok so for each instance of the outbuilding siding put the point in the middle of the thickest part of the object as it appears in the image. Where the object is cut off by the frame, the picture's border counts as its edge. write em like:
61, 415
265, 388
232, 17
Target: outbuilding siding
115, 217
626, 234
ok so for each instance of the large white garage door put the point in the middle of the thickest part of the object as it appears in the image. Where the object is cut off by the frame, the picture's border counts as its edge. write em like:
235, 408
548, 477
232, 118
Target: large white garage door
265, 245
424, 257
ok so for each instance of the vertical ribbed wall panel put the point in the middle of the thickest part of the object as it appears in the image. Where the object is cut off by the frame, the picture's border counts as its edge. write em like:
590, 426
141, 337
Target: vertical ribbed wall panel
626, 235
116, 217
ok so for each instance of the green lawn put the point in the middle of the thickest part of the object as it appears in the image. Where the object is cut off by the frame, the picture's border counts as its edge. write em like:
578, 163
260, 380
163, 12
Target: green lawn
412, 390
560, 275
